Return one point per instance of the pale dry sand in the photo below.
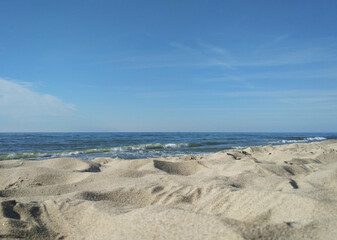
(271, 192)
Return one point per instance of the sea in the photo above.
(87, 146)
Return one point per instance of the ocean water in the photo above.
(37, 146)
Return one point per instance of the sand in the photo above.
(270, 192)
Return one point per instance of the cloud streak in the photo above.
(204, 55)
(17, 100)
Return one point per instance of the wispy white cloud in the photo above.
(17, 100)
(278, 57)
(272, 43)
(319, 95)
(184, 47)
(300, 100)
(265, 55)
(278, 100)
(283, 93)
(275, 53)
(217, 50)
(281, 38)
(321, 73)
(291, 97)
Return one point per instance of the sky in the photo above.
(233, 66)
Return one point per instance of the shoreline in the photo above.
(87, 146)
(275, 191)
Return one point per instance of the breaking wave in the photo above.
(141, 147)
(302, 140)
(153, 149)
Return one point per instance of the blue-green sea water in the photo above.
(87, 146)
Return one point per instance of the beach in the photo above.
(268, 192)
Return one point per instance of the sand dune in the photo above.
(271, 192)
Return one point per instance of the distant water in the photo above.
(38, 146)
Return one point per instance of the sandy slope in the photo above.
(271, 192)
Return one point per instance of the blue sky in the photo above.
(168, 65)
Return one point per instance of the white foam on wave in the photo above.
(132, 148)
(175, 145)
(316, 138)
(309, 139)
(237, 148)
(292, 141)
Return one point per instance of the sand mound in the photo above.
(179, 168)
(271, 192)
(70, 164)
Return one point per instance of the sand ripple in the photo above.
(271, 192)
